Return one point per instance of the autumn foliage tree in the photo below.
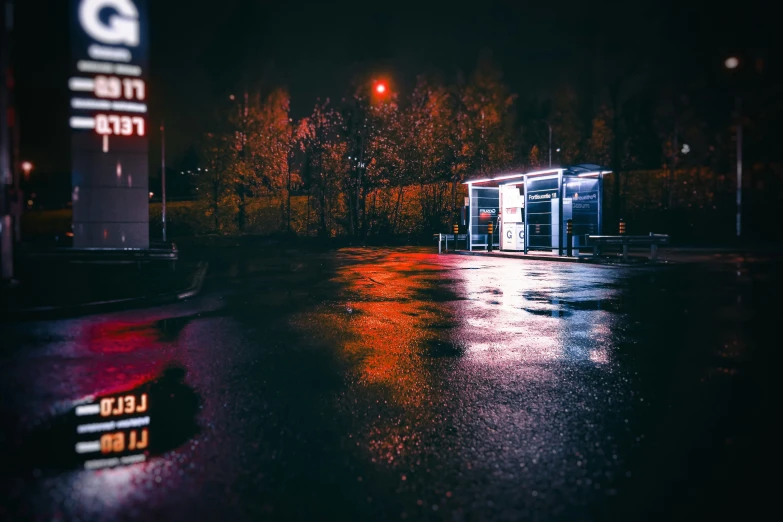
(371, 162)
(248, 156)
(429, 132)
(484, 123)
(326, 163)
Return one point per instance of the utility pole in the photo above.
(739, 166)
(6, 176)
(732, 63)
(163, 176)
(673, 171)
(290, 157)
(550, 146)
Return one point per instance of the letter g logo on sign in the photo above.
(122, 26)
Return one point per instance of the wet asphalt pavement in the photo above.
(390, 384)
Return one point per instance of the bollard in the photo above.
(456, 233)
(625, 245)
(570, 238)
(490, 235)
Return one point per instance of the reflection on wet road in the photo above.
(117, 429)
(391, 384)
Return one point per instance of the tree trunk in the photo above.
(330, 203)
(241, 209)
(364, 212)
(617, 202)
(454, 197)
(322, 210)
(372, 212)
(397, 210)
(216, 205)
(288, 197)
(307, 222)
(352, 212)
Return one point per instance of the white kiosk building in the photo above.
(530, 210)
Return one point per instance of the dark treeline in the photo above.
(669, 144)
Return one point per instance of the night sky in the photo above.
(201, 51)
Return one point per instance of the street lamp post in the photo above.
(550, 146)
(731, 63)
(739, 165)
(6, 241)
(163, 177)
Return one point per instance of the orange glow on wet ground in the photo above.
(404, 316)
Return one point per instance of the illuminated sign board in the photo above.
(543, 212)
(585, 203)
(484, 209)
(108, 121)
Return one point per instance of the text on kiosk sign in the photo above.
(553, 195)
(539, 197)
(488, 211)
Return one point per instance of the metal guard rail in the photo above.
(653, 240)
(446, 237)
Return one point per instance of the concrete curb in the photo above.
(43, 312)
(198, 282)
(560, 259)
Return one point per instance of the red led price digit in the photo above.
(138, 122)
(113, 88)
(102, 124)
(113, 124)
(133, 88)
(126, 127)
(107, 87)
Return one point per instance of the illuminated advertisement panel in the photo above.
(542, 213)
(484, 208)
(108, 120)
(584, 194)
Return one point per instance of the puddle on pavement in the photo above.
(170, 328)
(556, 307)
(439, 348)
(548, 313)
(439, 294)
(114, 430)
(444, 324)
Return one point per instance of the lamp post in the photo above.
(6, 175)
(550, 146)
(163, 177)
(732, 63)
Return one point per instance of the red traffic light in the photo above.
(380, 88)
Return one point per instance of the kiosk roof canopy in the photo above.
(583, 169)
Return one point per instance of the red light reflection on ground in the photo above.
(384, 326)
(119, 336)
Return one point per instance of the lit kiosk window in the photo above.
(530, 210)
(108, 121)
